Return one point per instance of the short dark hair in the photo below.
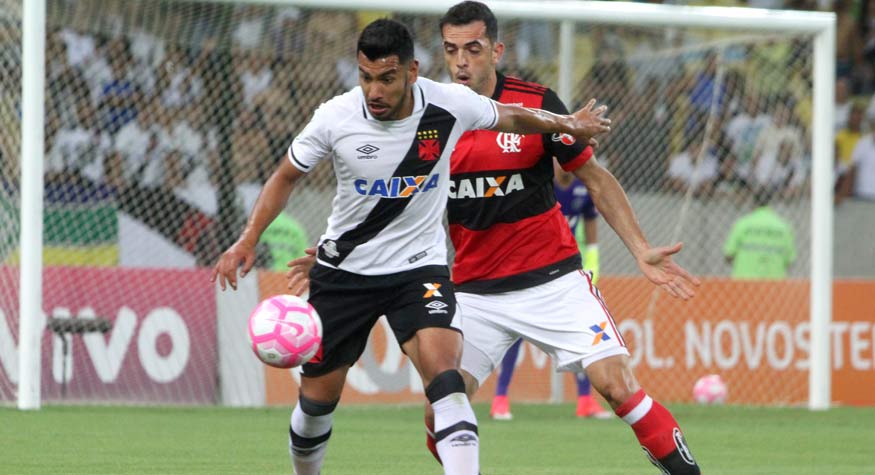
(469, 12)
(385, 37)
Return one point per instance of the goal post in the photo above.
(32, 153)
(670, 75)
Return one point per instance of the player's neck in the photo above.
(407, 110)
(490, 85)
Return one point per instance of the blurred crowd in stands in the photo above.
(198, 101)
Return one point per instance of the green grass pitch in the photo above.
(542, 439)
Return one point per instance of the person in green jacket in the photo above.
(286, 239)
(762, 244)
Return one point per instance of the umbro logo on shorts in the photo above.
(436, 306)
(432, 291)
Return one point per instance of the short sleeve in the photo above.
(473, 111)
(570, 153)
(313, 143)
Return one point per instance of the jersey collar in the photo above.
(499, 86)
(418, 103)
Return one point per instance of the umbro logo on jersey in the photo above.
(486, 186)
(367, 152)
(564, 138)
(509, 143)
(330, 249)
(432, 291)
(397, 186)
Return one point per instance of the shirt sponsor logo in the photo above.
(397, 186)
(431, 290)
(486, 186)
(367, 152)
(600, 334)
(509, 143)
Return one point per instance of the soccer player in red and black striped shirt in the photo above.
(517, 267)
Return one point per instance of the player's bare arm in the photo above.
(655, 262)
(583, 124)
(270, 202)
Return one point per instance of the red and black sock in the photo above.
(659, 435)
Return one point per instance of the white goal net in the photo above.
(164, 118)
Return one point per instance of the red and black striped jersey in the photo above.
(505, 224)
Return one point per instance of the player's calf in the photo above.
(455, 426)
(659, 435)
(309, 432)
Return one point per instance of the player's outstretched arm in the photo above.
(583, 125)
(655, 262)
(270, 202)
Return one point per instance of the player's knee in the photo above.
(616, 393)
(471, 383)
(314, 408)
(444, 384)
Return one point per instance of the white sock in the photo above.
(308, 440)
(456, 434)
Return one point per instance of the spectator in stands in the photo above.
(743, 131)
(695, 168)
(249, 147)
(180, 85)
(142, 144)
(843, 103)
(78, 150)
(706, 95)
(255, 75)
(847, 137)
(762, 244)
(287, 32)
(848, 38)
(638, 146)
(250, 22)
(118, 94)
(778, 154)
(862, 168)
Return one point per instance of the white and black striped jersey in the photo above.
(392, 176)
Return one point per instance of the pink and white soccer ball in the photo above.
(710, 390)
(285, 331)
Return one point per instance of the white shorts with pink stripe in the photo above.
(566, 318)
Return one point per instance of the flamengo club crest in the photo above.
(429, 144)
(509, 143)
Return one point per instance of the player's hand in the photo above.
(299, 271)
(240, 254)
(657, 265)
(589, 122)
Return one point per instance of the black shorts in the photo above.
(350, 304)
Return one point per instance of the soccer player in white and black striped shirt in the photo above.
(384, 253)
